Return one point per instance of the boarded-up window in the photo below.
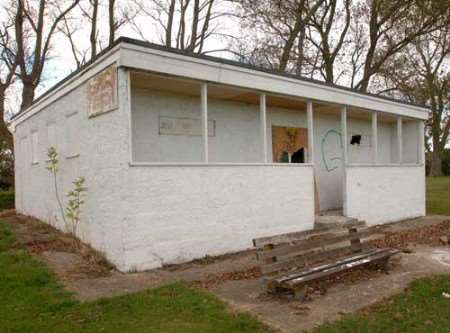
(51, 135)
(34, 147)
(22, 152)
(286, 141)
(72, 135)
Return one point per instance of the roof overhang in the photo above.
(149, 57)
(204, 69)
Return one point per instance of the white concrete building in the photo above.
(188, 155)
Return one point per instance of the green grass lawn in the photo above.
(438, 195)
(421, 309)
(31, 300)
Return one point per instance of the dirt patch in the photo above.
(86, 272)
(66, 255)
(208, 260)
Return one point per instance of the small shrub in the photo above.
(52, 162)
(6, 199)
(75, 201)
(52, 166)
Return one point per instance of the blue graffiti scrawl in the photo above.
(332, 148)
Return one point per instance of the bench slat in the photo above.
(335, 269)
(294, 249)
(311, 256)
(301, 235)
(323, 267)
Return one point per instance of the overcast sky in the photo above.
(62, 62)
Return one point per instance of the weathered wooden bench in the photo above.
(292, 261)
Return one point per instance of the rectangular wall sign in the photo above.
(184, 126)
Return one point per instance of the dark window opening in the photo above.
(356, 139)
(298, 156)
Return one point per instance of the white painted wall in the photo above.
(148, 144)
(102, 160)
(383, 194)
(237, 128)
(386, 143)
(329, 162)
(411, 141)
(362, 154)
(237, 136)
(176, 213)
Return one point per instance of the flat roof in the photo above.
(257, 68)
(214, 59)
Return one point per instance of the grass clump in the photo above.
(6, 199)
(422, 308)
(438, 195)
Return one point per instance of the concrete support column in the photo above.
(204, 109)
(344, 134)
(263, 127)
(421, 142)
(310, 122)
(124, 78)
(399, 141)
(374, 138)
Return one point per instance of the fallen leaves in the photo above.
(299, 309)
(39, 237)
(429, 235)
(213, 280)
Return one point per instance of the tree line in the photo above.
(395, 48)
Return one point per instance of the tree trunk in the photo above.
(286, 54)
(93, 35)
(5, 135)
(301, 51)
(436, 157)
(436, 164)
(169, 25)
(329, 66)
(27, 95)
(6, 144)
(112, 22)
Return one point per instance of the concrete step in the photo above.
(332, 212)
(331, 221)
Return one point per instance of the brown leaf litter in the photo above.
(41, 238)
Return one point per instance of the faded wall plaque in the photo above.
(184, 126)
(102, 92)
